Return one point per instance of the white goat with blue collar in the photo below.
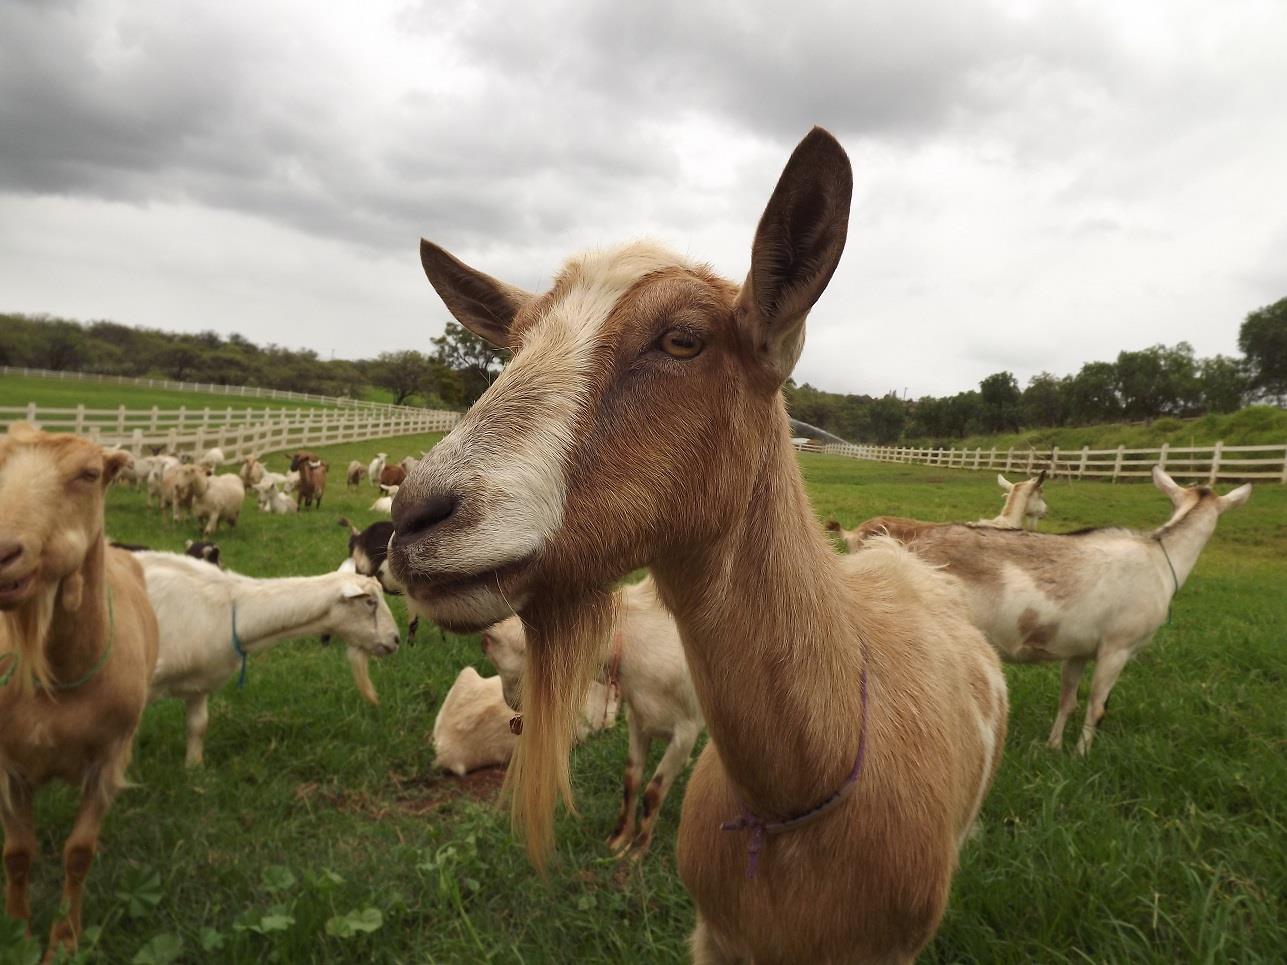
(210, 619)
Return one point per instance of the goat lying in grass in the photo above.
(1098, 594)
(77, 645)
(210, 619)
(472, 729)
(644, 660)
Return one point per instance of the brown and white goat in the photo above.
(78, 641)
(1097, 594)
(643, 661)
(1025, 503)
(641, 423)
(312, 479)
(353, 477)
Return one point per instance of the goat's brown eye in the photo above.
(90, 475)
(681, 345)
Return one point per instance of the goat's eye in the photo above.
(370, 601)
(680, 344)
(90, 475)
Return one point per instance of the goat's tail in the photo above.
(564, 642)
(344, 521)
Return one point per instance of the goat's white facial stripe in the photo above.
(512, 446)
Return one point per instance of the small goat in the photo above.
(1024, 500)
(472, 729)
(273, 500)
(251, 472)
(369, 551)
(392, 476)
(353, 477)
(312, 479)
(210, 619)
(377, 466)
(385, 503)
(644, 661)
(217, 498)
(1097, 594)
(214, 458)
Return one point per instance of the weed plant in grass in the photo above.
(318, 830)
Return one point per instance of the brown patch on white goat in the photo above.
(77, 645)
(640, 422)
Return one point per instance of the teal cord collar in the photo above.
(85, 677)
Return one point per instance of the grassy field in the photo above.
(1257, 425)
(318, 830)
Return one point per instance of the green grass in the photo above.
(57, 393)
(1259, 425)
(1166, 845)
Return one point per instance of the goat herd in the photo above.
(855, 702)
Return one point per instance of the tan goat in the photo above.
(856, 717)
(78, 642)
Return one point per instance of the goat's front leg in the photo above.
(212, 523)
(1108, 667)
(636, 757)
(19, 817)
(78, 856)
(672, 762)
(1069, 680)
(198, 721)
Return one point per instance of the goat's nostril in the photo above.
(417, 517)
(10, 553)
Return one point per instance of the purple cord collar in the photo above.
(758, 827)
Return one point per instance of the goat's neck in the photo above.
(1184, 539)
(77, 637)
(766, 617)
(269, 611)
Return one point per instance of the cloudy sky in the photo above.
(1037, 184)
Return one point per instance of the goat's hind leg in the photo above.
(636, 757)
(1069, 680)
(19, 818)
(198, 720)
(678, 751)
(1108, 667)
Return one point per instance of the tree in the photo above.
(1224, 384)
(476, 362)
(885, 419)
(999, 399)
(403, 373)
(1263, 340)
(1043, 402)
(1092, 394)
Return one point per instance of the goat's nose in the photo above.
(415, 518)
(10, 552)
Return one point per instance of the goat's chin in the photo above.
(467, 610)
(14, 593)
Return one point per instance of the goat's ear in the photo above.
(797, 247)
(351, 590)
(1041, 477)
(1004, 483)
(1169, 486)
(1235, 498)
(187, 544)
(482, 304)
(114, 462)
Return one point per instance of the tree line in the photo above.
(1138, 386)
(456, 370)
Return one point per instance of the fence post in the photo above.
(31, 414)
(1283, 480)
(80, 419)
(120, 419)
(1117, 463)
(1081, 469)
(1161, 455)
(1215, 463)
(136, 443)
(1031, 456)
(1009, 459)
(152, 424)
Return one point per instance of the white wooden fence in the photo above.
(212, 388)
(1204, 463)
(238, 432)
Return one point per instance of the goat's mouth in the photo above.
(13, 592)
(465, 602)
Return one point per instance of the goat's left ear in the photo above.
(797, 247)
(1165, 483)
(114, 462)
(1041, 477)
(1235, 498)
(481, 303)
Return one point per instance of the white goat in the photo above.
(251, 472)
(385, 503)
(1098, 594)
(214, 458)
(644, 659)
(272, 500)
(377, 467)
(210, 617)
(217, 498)
(178, 488)
(1024, 501)
(472, 729)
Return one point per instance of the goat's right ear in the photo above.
(482, 304)
(114, 462)
(797, 247)
(1169, 486)
(1004, 483)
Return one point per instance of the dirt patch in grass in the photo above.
(416, 796)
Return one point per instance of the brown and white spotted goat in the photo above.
(640, 422)
(78, 642)
(1098, 594)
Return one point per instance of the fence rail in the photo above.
(238, 432)
(212, 388)
(1203, 463)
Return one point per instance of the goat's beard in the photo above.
(564, 646)
(26, 628)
